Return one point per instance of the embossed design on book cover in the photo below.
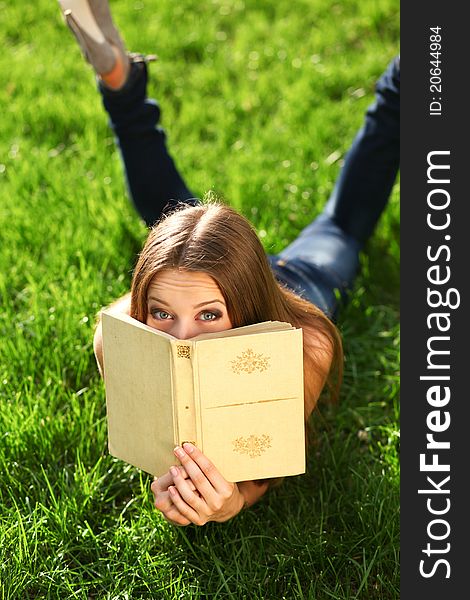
(183, 351)
(249, 362)
(253, 445)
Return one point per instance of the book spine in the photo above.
(183, 392)
(197, 400)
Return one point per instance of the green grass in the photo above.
(256, 95)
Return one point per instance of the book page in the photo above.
(138, 394)
(251, 404)
(131, 321)
(246, 330)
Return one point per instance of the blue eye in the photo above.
(208, 315)
(161, 315)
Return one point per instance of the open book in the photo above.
(236, 394)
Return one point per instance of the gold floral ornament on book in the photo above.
(183, 351)
(249, 362)
(253, 445)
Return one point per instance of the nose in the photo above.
(184, 329)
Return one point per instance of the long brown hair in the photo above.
(214, 239)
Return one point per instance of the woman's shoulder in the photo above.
(321, 354)
(319, 351)
(121, 305)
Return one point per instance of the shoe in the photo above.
(92, 25)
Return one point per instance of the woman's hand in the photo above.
(196, 492)
(163, 500)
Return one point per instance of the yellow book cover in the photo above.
(236, 394)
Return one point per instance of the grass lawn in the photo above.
(260, 100)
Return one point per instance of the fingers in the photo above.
(162, 499)
(174, 517)
(164, 504)
(165, 480)
(194, 492)
(187, 491)
(202, 484)
(200, 469)
(184, 509)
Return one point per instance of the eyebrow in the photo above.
(195, 306)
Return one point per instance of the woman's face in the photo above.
(185, 304)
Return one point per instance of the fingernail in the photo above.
(172, 491)
(174, 471)
(188, 447)
(179, 452)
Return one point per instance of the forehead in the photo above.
(176, 280)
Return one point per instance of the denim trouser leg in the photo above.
(153, 181)
(321, 263)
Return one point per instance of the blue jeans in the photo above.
(321, 263)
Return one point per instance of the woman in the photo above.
(204, 269)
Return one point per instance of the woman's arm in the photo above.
(252, 491)
(122, 305)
